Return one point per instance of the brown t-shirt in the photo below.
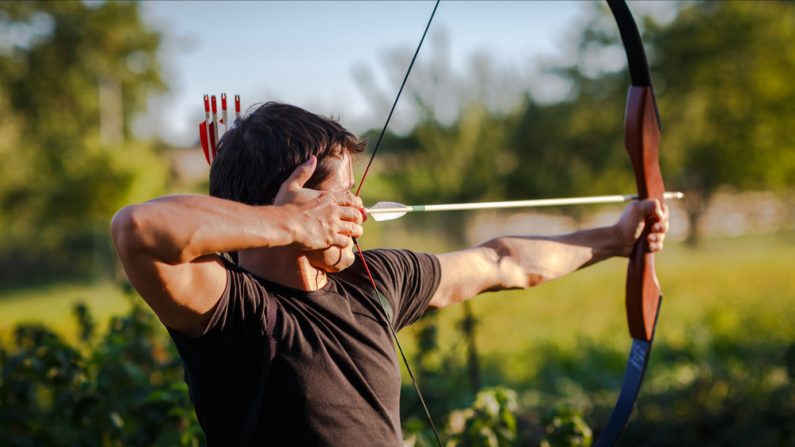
(335, 379)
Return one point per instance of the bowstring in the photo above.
(356, 243)
(400, 348)
(394, 104)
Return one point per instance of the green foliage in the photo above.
(719, 390)
(489, 422)
(724, 72)
(722, 369)
(570, 148)
(721, 387)
(565, 427)
(722, 76)
(125, 389)
(441, 376)
(63, 175)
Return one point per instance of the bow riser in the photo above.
(642, 139)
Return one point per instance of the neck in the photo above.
(283, 265)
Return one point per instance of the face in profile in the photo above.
(335, 259)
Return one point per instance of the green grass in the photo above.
(52, 305)
(741, 286)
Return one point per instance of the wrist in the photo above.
(281, 218)
(618, 245)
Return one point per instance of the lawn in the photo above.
(52, 304)
(743, 286)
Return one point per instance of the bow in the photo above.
(643, 297)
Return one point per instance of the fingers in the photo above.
(655, 210)
(341, 241)
(348, 199)
(350, 222)
(346, 231)
(290, 189)
(335, 220)
(351, 229)
(659, 227)
(650, 209)
(351, 214)
(302, 174)
(647, 215)
(655, 242)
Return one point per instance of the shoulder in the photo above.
(402, 258)
(387, 264)
(243, 304)
(407, 279)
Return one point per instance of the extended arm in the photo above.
(513, 262)
(168, 245)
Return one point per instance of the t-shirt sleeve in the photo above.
(229, 356)
(238, 322)
(407, 279)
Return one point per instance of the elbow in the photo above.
(126, 231)
(138, 230)
(513, 270)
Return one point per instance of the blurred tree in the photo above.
(575, 146)
(479, 135)
(72, 75)
(723, 73)
(458, 162)
(570, 148)
(456, 148)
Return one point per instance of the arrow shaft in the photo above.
(517, 203)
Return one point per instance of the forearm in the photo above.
(525, 261)
(514, 262)
(179, 229)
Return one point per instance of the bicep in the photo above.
(467, 273)
(182, 295)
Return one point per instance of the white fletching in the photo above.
(388, 211)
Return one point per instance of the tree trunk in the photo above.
(694, 204)
(468, 324)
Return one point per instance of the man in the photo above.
(282, 203)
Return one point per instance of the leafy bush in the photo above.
(490, 421)
(125, 389)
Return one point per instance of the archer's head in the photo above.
(264, 148)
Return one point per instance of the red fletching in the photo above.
(204, 131)
(203, 138)
(209, 128)
(213, 139)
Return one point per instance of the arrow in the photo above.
(204, 130)
(224, 119)
(209, 132)
(382, 211)
(214, 130)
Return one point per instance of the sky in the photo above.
(307, 53)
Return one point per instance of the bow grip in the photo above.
(642, 139)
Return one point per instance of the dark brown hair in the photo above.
(263, 149)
